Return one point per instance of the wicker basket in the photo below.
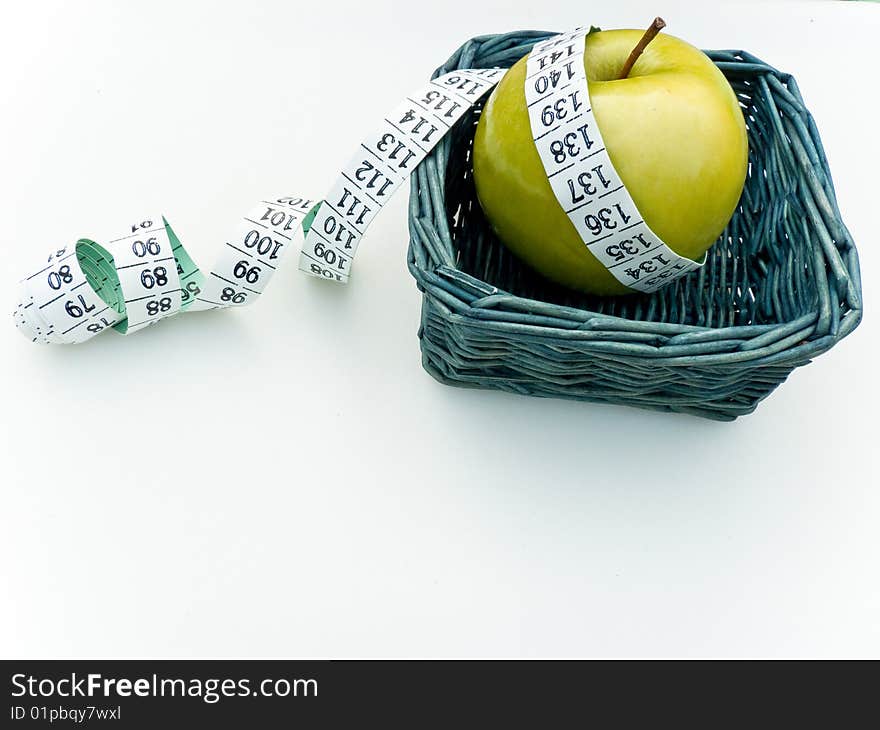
(779, 287)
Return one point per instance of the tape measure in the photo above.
(581, 173)
(141, 273)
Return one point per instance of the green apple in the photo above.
(673, 129)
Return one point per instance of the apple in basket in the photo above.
(674, 132)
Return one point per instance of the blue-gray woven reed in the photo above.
(780, 286)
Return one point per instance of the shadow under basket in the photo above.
(780, 286)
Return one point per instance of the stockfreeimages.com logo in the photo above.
(209, 690)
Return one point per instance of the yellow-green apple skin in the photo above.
(675, 134)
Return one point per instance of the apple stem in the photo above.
(656, 26)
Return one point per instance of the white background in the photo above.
(286, 480)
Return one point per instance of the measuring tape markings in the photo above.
(581, 173)
(58, 306)
(250, 258)
(155, 283)
(146, 274)
(148, 277)
(384, 161)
